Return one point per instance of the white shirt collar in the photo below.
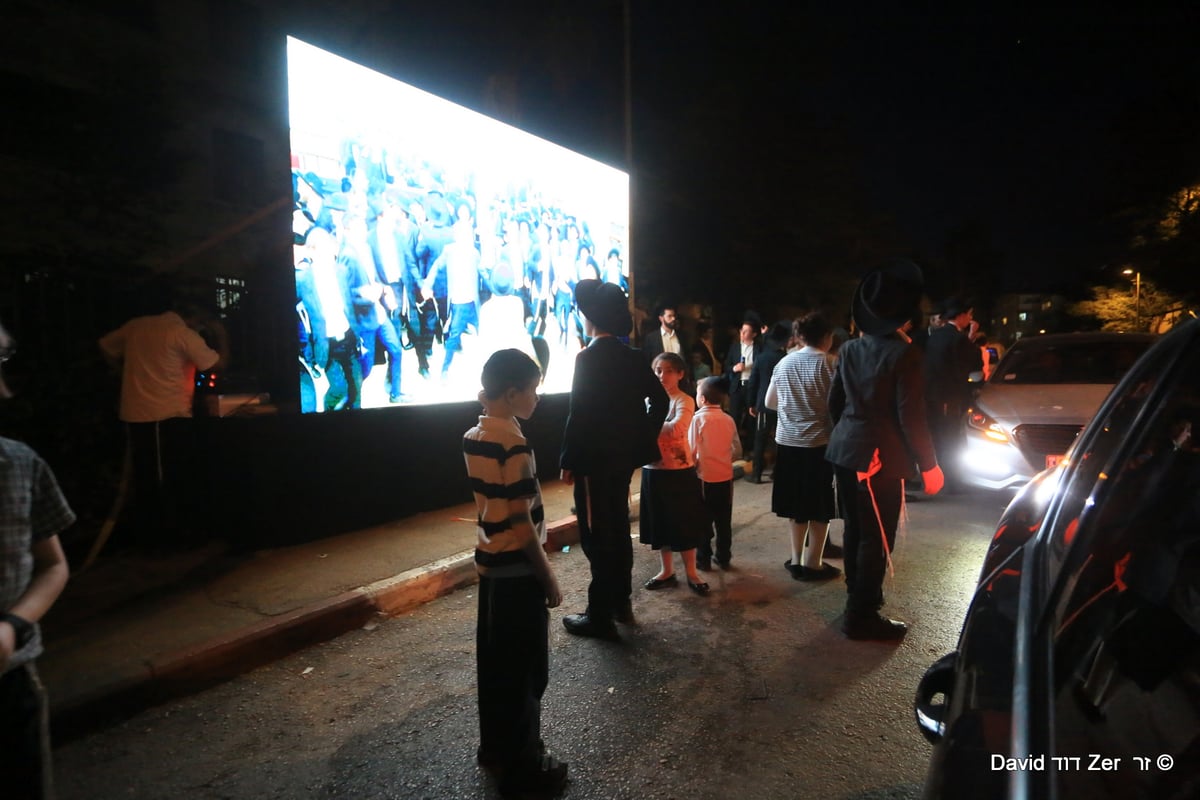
(500, 424)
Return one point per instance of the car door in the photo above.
(1106, 686)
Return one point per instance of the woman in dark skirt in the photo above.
(803, 479)
(673, 517)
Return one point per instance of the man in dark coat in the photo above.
(878, 407)
(739, 366)
(765, 420)
(950, 357)
(665, 337)
(611, 430)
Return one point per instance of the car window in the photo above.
(1126, 623)
(1097, 447)
(1070, 362)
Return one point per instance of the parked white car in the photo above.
(1037, 400)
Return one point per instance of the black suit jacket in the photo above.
(950, 358)
(760, 376)
(733, 357)
(652, 346)
(877, 401)
(610, 425)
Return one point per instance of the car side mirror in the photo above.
(933, 697)
(975, 377)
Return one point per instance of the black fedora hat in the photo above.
(605, 304)
(888, 297)
(953, 306)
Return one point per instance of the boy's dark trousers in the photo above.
(718, 497)
(513, 666)
(24, 735)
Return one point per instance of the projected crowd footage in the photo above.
(427, 236)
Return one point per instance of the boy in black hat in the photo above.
(611, 430)
(878, 407)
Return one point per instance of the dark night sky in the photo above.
(1015, 123)
(815, 140)
(1010, 120)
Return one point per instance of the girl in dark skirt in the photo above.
(803, 490)
(673, 515)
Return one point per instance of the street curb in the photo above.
(408, 590)
(201, 666)
(197, 667)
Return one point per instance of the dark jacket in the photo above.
(733, 357)
(609, 425)
(877, 402)
(760, 376)
(950, 358)
(652, 346)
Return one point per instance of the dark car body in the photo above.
(1077, 672)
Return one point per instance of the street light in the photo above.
(1137, 296)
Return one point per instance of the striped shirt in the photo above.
(502, 470)
(799, 391)
(32, 509)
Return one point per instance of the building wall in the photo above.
(1018, 315)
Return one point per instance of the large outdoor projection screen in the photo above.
(427, 236)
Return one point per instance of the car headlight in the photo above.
(981, 422)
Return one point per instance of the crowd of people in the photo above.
(410, 269)
(849, 430)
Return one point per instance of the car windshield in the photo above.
(1104, 362)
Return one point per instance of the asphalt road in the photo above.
(749, 693)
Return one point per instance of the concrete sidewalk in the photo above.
(135, 629)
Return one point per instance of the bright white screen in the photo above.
(428, 236)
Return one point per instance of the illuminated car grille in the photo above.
(1038, 441)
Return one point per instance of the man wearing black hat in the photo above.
(950, 358)
(610, 432)
(878, 407)
(739, 366)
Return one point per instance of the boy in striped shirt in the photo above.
(516, 582)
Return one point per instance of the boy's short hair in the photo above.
(508, 369)
(674, 360)
(814, 327)
(714, 389)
